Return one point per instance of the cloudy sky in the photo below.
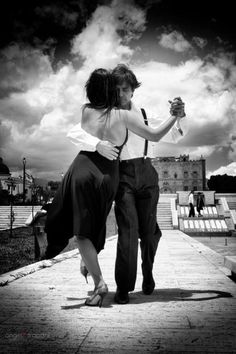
(176, 48)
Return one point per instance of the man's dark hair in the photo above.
(122, 73)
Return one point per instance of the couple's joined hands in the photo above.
(177, 107)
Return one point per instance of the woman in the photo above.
(85, 197)
(200, 203)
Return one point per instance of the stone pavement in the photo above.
(193, 308)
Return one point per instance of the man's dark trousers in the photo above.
(135, 210)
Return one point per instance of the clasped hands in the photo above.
(177, 107)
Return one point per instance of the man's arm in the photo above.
(82, 139)
(88, 142)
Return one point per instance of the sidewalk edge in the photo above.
(11, 276)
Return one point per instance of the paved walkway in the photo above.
(193, 308)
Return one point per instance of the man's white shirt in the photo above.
(134, 147)
(190, 198)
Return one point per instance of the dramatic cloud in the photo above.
(102, 41)
(200, 42)
(42, 105)
(175, 41)
(22, 68)
(229, 170)
(208, 88)
(38, 105)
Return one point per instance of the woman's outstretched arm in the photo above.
(135, 124)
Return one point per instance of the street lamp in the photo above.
(11, 184)
(24, 163)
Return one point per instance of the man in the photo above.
(191, 204)
(136, 200)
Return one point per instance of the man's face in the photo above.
(125, 94)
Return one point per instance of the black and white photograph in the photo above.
(117, 176)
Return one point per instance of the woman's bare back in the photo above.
(109, 126)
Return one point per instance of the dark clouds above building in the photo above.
(48, 48)
(51, 25)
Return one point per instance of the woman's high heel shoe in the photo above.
(84, 270)
(98, 296)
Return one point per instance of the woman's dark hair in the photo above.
(101, 90)
(122, 73)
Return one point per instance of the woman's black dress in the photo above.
(82, 202)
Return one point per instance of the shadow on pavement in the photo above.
(160, 295)
(177, 294)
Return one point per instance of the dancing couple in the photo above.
(115, 165)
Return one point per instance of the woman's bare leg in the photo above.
(90, 258)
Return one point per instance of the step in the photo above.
(21, 213)
(164, 215)
(232, 205)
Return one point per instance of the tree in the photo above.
(222, 183)
(53, 187)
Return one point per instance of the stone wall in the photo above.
(180, 174)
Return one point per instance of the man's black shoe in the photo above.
(121, 297)
(148, 285)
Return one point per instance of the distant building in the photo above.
(4, 175)
(17, 187)
(180, 173)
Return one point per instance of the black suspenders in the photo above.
(146, 142)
